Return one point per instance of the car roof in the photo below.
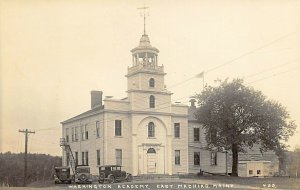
(111, 166)
(62, 167)
(83, 166)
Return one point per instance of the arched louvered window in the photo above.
(151, 151)
(151, 82)
(152, 101)
(151, 129)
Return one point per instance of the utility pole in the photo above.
(26, 132)
(226, 154)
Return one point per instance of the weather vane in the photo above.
(144, 13)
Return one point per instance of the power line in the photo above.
(250, 52)
(200, 75)
(272, 68)
(233, 60)
(276, 74)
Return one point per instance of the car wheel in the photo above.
(129, 177)
(112, 179)
(100, 181)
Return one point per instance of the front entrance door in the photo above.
(151, 161)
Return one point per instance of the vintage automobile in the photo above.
(62, 175)
(82, 174)
(112, 174)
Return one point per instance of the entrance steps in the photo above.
(155, 176)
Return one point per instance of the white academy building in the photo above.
(143, 132)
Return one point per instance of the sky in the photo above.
(53, 53)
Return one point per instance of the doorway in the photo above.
(151, 161)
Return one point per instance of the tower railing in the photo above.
(145, 67)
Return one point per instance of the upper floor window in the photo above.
(152, 101)
(151, 129)
(213, 158)
(151, 82)
(118, 128)
(177, 130)
(67, 134)
(74, 134)
(196, 134)
(97, 128)
(84, 133)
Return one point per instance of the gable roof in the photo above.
(90, 112)
(191, 114)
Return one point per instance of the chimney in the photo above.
(96, 98)
(193, 103)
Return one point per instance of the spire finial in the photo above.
(144, 8)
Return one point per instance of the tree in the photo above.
(236, 116)
(39, 167)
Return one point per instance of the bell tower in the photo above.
(145, 77)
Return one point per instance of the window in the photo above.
(258, 172)
(119, 156)
(75, 133)
(82, 158)
(67, 135)
(151, 151)
(82, 132)
(118, 128)
(68, 158)
(76, 158)
(213, 158)
(196, 134)
(177, 130)
(152, 82)
(87, 158)
(177, 157)
(86, 132)
(97, 128)
(151, 129)
(98, 157)
(250, 172)
(152, 101)
(197, 158)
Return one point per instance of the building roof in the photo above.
(90, 112)
(145, 44)
(98, 109)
